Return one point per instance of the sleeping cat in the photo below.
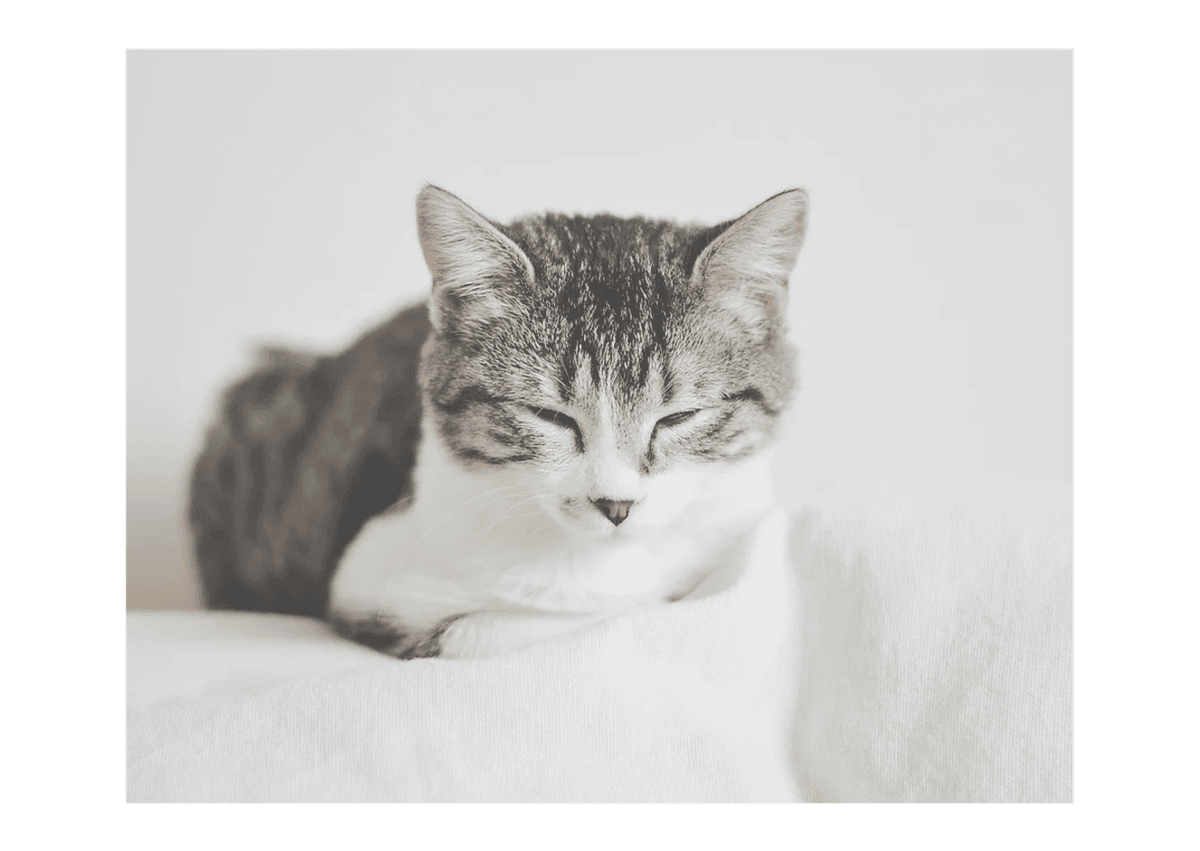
(576, 426)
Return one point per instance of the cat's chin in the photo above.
(587, 532)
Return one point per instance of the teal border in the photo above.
(63, 319)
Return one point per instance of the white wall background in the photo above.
(270, 198)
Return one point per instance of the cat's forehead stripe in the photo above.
(607, 285)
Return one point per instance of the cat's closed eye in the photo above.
(677, 418)
(557, 418)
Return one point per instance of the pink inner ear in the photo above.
(747, 267)
(470, 260)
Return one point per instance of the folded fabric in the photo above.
(937, 654)
(686, 702)
(845, 653)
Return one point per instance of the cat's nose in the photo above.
(616, 510)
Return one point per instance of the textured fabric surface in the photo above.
(688, 702)
(937, 661)
(868, 654)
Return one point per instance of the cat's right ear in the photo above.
(472, 262)
(745, 269)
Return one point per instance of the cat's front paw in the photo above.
(471, 635)
(481, 634)
(387, 635)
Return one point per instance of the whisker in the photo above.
(449, 514)
(508, 510)
(426, 533)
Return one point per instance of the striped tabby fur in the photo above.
(573, 404)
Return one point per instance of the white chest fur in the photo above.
(478, 541)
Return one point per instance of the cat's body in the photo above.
(596, 398)
(304, 451)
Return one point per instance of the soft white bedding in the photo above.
(854, 654)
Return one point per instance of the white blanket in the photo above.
(937, 655)
(913, 660)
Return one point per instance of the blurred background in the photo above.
(271, 200)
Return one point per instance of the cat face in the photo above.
(614, 368)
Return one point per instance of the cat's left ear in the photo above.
(472, 262)
(747, 266)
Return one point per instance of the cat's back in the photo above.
(304, 450)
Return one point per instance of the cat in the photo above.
(576, 424)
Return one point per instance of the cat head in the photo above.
(612, 365)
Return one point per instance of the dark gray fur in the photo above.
(305, 451)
